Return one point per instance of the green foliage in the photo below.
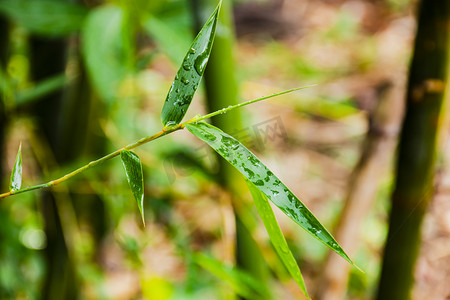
(166, 37)
(276, 235)
(190, 73)
(133, 170)
(41, 89)
(16, 174)
(45, 17)
(241, 282)
(107, 50)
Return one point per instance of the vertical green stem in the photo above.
(417, 150)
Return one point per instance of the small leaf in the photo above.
(276, 235)
(189, 75)
(45, 17)
(257, 173)
(107, 49)
(16, 174)
(133, 169)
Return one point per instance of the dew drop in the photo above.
(284, 249)
(210, 137)
(291, 198)
(200, 63)
(297, 204)
(179, 102)
(259, 182)
(186, 66)
(250, 173)
(184, 80)
(192, 51)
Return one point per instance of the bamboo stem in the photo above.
(418, 148)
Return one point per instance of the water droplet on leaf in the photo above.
(200, 63)
(259, 182)
(186, 66)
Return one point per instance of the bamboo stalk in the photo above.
(417, 150)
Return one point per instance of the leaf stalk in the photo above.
(166, 130)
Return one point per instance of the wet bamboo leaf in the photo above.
(257, 173)
(276, 235)
(133, 170)
(189, 75)
(107, 49)
(16, 174)
(45, 17)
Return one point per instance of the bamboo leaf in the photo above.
(256, 172)
(16, 175)
(133, 170)
(45, 17)
(190, 73)
(276, 235)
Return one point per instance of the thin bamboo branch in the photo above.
(94, 163)
(166, 130)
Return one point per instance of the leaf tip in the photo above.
(358, 268)
(16, 174)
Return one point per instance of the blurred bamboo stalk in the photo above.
(4, 41)
(418, 148)
(222, 91)
(373, 166)
(48, 58)
(67, 118)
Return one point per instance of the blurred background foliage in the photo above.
(81, 78)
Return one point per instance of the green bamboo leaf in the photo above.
(16, 174)
(45, 17)
(190, 73)
(276, 235)
(255, 171)
(133, 170)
